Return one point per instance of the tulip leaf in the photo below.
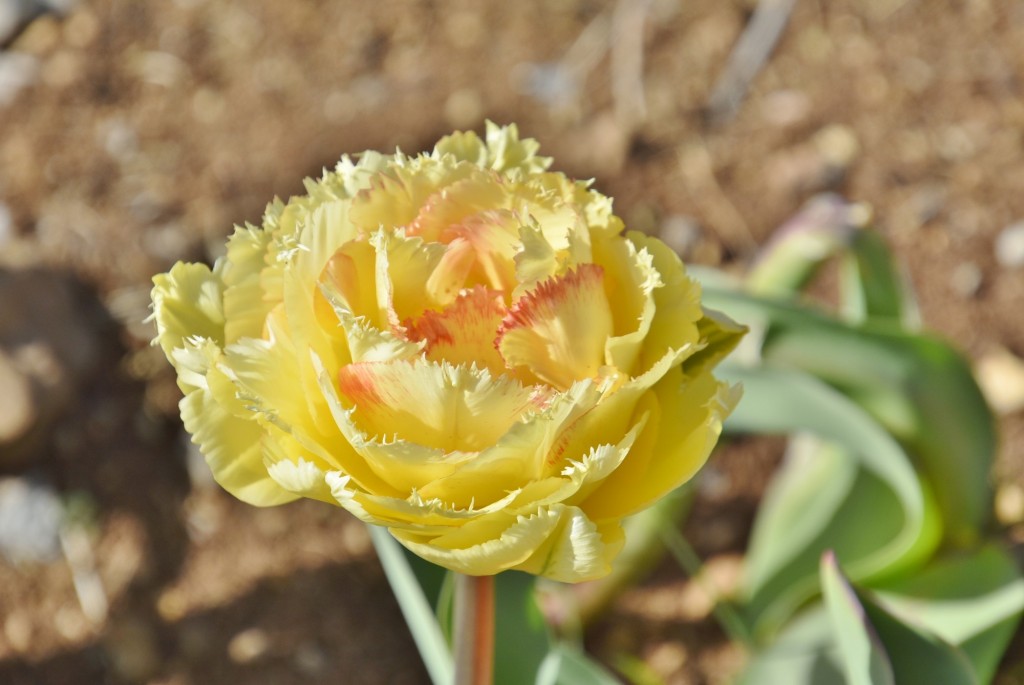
(567, 666)
(864, 656)
(863, 498)
(873, 287)
(916, 386)
(971, 600)
(419, 616)
(878, 647)
(804, 653)
(522, 640)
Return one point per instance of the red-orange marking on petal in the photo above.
(558, 331)
(464, 332)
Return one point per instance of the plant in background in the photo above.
(462, 347)
(887, 480)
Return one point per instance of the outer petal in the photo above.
(245, 308)
(187, 303)
(677, 304)
(229, 438)
(685, 421)
(578, 550)
(489, 545)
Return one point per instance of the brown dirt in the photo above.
(153, 127)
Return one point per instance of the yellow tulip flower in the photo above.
(460, 346)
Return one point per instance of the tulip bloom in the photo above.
(460, 346)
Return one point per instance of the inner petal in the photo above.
(464, 332)
(454, 408)
(558, 331)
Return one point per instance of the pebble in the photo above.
(310, 660)
(17, 72)
(6, 225)
(248, 646)
(1009, 504)
(1001, 376)
(1009, 245)
(966, 279)
(680, 233)
(30, 518)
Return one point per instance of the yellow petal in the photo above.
(529, 451)
(558, 331)
(630, 282)
(453, 408)
(229, 438)
(245, 308)
(187, 303)
(685, 422)
(576, 551)
(488, 545)
(677, 303)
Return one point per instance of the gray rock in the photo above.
(30, 518)
(17, 72)
(1010, 245)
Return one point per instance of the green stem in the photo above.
(473, 637)
(684, 554)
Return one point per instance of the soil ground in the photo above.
(148, 128)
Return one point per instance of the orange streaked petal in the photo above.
(463, 333)
(558, 331)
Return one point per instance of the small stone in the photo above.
(118, 138)
(667, 659)
(785, 108)
(1001, 377)
(310, 660)
(1009, 245)
(18, 630)
(39, 37)
(160, 68)
(63, 69)
(966, 279)
(248, 646)
(356, 539)
(81, 29)
(17, 72)
(1010, 504)
(680, 233)
(838, 145)
(30, 520)
(6, 225)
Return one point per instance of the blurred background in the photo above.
(135, 134)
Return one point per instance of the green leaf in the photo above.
(918, 387)
(879, 648)
(522, 640)
(805, 653)
(864, 656)
(419, 616)
(860, 496)
(874, 289)
(567, 666)
(823, 228)
(971, 600)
